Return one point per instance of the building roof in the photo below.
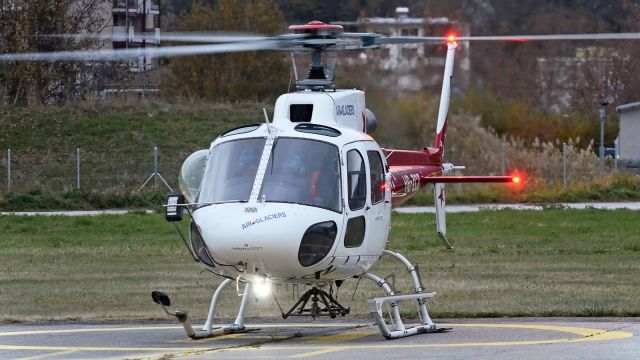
(628, 107)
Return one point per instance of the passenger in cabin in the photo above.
(324, 191)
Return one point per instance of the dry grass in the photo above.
(555, 262)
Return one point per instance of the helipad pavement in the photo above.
(530, 338)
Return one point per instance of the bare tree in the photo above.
(23, 25)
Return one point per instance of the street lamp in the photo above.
(603, 115)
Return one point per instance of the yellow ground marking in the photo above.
(586, 334)
(141, 328)
(343, 337)
(318, 352)
(65, 331)
(232, 336)
(48, 355)
(98, 348)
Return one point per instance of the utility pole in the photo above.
(603, 115)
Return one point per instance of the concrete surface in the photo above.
(521, 338)
(484, 207)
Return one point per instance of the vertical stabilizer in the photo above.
(443, 110)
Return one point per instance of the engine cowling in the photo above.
(372, 122)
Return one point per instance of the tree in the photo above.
(253, 76)
(22, 24)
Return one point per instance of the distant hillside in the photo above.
(116, 142)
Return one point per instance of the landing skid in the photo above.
(322, 303)
(330, 306)
(207, 329)
(398, 329)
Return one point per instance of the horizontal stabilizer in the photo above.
(471, 179)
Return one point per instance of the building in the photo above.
(133, 24)
(560, 77)
(136, 23)
(629, 140)
(413, 66)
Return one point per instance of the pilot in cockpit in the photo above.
(248, 161)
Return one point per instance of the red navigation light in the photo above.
(516, 179)
(451, 39)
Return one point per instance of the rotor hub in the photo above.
(318, 29)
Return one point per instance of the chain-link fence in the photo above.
(46, 170)
(27, 170)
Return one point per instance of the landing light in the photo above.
(262, 288)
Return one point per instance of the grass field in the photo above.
(548, 263)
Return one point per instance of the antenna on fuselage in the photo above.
(266, 119)
(295, 68)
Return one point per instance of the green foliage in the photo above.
(521, 119)
(255, 76)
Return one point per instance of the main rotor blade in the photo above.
(193, 37)
(516, 38)
(133, 53)
(551, 37)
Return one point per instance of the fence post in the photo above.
(616, 145)
(503, 160)
(155, 165)
(78, 168)
(8, 170)
(564, 166)
(156, 174)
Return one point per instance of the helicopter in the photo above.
(306, 197)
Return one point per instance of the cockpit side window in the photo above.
(377, 176)
(356, 180)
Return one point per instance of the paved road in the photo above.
(529, 338)
(73, 213)
(484, 207)
(406, 209)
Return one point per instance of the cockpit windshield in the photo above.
(303, 171)
(299, 171)
(231, 171)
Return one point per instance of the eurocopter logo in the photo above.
(345, 110)
(263, 219)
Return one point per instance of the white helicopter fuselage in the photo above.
(315, 205)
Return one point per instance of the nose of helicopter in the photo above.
(267, 237)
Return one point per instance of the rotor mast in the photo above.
(318, 38)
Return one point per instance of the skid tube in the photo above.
(207, 330)
(398, 329)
